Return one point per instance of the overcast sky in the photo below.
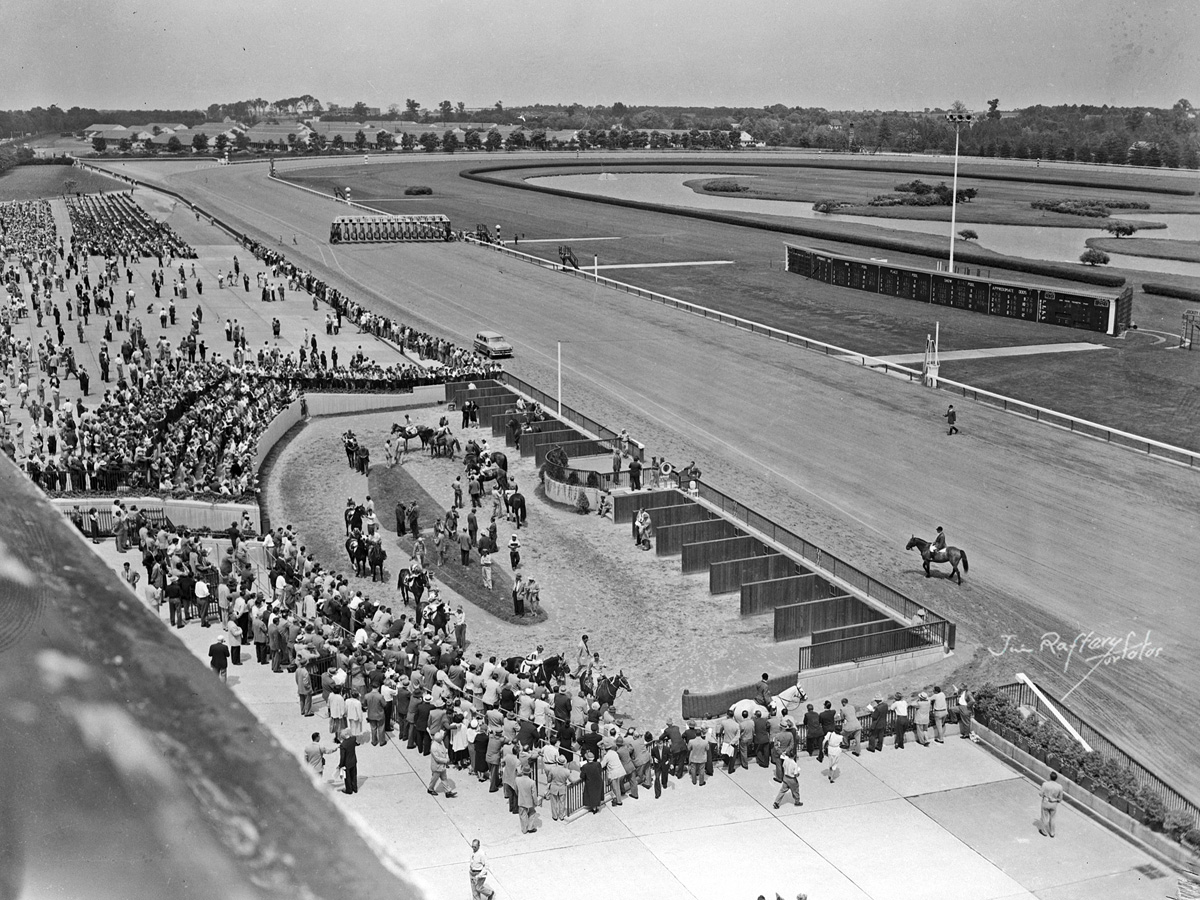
(839, 54)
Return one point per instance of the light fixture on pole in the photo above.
(957, 120)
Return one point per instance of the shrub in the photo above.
(583, 506)
(916, 186)
(556, 463)
(593, 479)
(828, 206)
(1093, 257)
(417, 190)
(573, 478)
(724, 186)
(968, 234)
(1170, 290)
(1191, 839)
(1177, 824)
(1152, 805)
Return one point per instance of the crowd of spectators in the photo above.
(172, 418)
(113, 225)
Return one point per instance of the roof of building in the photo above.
(104, 127)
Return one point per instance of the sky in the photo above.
(837, 54)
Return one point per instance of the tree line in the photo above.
(1103, 134)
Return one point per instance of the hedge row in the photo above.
(809, 229)
(1170, 290)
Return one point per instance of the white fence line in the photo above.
(1149, 446)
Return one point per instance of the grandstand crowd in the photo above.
(181, 419)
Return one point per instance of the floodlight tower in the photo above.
(957, 120)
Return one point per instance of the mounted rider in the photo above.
(937, 548)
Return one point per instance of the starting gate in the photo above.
(388, 229)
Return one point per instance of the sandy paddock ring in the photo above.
(642, 615)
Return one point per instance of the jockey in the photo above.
(939, 542)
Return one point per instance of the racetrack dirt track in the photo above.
(1064, 534)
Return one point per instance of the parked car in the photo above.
(492, 344)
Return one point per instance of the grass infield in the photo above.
(390, 486)
(1153, 248)
(1136, 377)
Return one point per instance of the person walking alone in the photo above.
(1052, 794)
(791, 784)
(951, 417)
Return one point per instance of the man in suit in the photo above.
(348, 761)
(879, 714)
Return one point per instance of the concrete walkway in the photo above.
(893, 827)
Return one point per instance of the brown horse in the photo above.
(951, 555)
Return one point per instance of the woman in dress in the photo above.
(593, 783)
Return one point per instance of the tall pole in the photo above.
(954, 199)
(560, 379)
(957, 119)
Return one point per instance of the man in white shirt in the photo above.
(900, 707)
(791, 772)
(480, 889)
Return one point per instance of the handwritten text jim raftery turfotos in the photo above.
(1086, 648)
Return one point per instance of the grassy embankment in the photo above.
(37, 182)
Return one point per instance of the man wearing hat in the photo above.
(879, 714)
(920, 718)
(218, 655)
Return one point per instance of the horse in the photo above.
(407, 433)
(607, 688)
(375, 557)
(951, 555)
(444, 445)
(544, 673)
(356, 549)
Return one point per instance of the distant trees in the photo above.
(968, 234)
(446, 108)
(449, 141)
(1093, 257)
(174, 145)
(241, 143)
(411, 109)
(360, 140)
(200, 142)
(360, 110)
(428, 141)
(338, 143)
(125, 145)
(472, 140)
(993, 111)
(406, 142)
(221, 143)
(99, 143)
(493, 141)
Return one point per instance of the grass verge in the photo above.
(389, 487)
